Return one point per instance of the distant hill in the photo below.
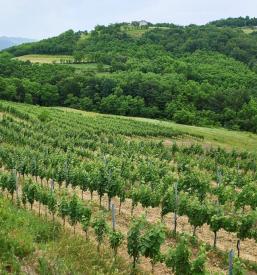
(62, 44)
(236, 22)
(6, 42)
(197, 75)
(226, 36)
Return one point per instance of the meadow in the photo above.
(45, 58)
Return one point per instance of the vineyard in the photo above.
(163, 205)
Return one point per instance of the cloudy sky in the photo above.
(44, 18)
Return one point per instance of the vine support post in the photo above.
(52, 185)
(17, 186)
(132, 209)
(109, 203)
(113, 217)
(194, 231)
(120, 206)
(231, 257)
(176, 207)
(215, 239)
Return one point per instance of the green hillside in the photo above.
(69, 166)
(62, 44)
(130, 149)
(195, 75)
(33, 244)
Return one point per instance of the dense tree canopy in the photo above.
(62, 44)
(236, 22)
(203, 75)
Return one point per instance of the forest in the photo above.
(196, 75)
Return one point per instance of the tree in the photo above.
(86, 218)
(238, 267)
(86, 104)
(52, 203)
(100, 228)
(74, 211)
(115, 239)
(197, 213)
(134, 240)
(30, 191)
(102, 182)
(245, 226)
(178, 259)
(113, 181)
(170, 203)
(198, 265)
(49, 95)
(63, 208)
(11, 184)
(216, 223)
(151, 243)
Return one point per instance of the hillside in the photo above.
(195, 75)
(34, 244)
(62, 44)
(72, 165)
(236, 22)
(7, 42)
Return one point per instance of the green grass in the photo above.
(137, 32)
(56, 59)
(217, 136)
(212, 136)
(249, 30)
(32, 245)
(225, 138)
(43, 58)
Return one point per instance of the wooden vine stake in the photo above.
(176, 207)
(113, 217)
(52, 185)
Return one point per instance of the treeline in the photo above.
(186, 74)
(192, 92)
(222, 36)
(236, 22)
(62, 44)
(229, 41)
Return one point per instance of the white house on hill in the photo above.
(143, 23)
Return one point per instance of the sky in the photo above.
(45, 18)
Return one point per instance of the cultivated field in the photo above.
(159, 169)
(211, 136)
(64, 60)
(45, 59)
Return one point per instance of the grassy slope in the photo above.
(43, 58)
(215, 136)
(31, 245)
(249, 30)
(50, 59)
(212, 136)
(222, 135)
